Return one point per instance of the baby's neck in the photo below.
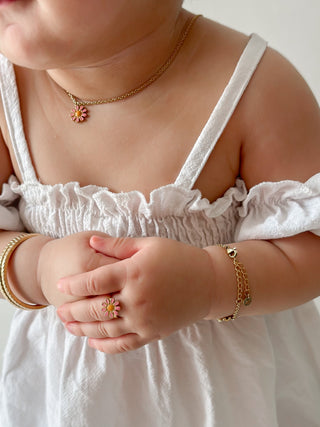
(124, 69)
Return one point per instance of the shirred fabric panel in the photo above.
(172, 212)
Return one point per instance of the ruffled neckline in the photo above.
(166, 200)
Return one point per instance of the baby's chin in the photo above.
(23, 49)
(25, 58)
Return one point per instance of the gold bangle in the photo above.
(243, 289)
(4, 261)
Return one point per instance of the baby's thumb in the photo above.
(116, 247)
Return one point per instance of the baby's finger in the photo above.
(100, 260)
(121, 344)
(118, 247)
(110, 329)
(91, 310)
(103, 280)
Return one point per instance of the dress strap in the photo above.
(12, 111)
(221, 114)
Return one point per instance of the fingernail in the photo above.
(62, 318)
(96, 240)
(91, 343)
(61, 287)
(70, 327)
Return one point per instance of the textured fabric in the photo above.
(9, 213)
(260, 371)
(280, 209)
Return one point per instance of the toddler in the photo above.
(160, 217)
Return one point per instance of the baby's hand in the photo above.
(63, 257)
(161, 285)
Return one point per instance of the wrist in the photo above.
(224, 283)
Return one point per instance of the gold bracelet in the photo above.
(4, 261)
(243, 289)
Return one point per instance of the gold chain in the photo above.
(243, 289)
(80, 113)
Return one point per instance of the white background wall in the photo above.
(290, 26)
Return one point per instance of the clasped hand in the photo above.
(162, 285)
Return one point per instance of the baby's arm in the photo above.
(281, 142)
(25, 288)
(38, 263)
(164, 285)
(283, 273)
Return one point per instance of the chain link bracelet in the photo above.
(243, 289)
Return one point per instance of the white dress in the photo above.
(257, 371)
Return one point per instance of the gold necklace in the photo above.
(80, 111)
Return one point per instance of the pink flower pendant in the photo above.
(79, 113)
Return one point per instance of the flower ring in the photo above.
(111, 306)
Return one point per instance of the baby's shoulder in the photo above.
(217, 48)
(278, 117)
(224, 46)
(281, 119)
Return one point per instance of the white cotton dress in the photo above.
(261, 371)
